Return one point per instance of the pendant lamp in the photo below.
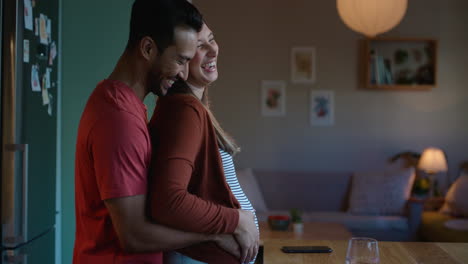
(371, 17)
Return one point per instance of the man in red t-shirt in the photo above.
(113, 147)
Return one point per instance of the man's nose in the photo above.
(183, 74)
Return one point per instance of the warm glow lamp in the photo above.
(433, 161)
(371, 17)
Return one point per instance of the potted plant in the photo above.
(296, 218)
(421, 187)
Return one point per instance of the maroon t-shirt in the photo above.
(113, 152)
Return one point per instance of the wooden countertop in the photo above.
(390, 252)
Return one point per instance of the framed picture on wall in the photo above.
(303, 65)
(400, 64)
(322, 108)
(273, 98)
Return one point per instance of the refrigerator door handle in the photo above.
(24, 148)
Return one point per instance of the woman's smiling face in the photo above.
(203, 67)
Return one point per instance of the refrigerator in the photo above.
(29, 71)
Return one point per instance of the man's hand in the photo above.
(247, 236)
(229, 244)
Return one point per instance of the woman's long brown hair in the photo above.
(225, 141)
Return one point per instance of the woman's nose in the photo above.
(213, 50)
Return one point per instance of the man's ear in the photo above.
(148, 48)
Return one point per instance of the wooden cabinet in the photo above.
(399, 64)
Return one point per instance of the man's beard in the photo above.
(154, 84)
(157, 90)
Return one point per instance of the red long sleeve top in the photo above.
(187, 186)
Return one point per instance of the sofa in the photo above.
(322, 197)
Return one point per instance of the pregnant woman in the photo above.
(194, 185)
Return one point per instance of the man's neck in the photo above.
(130, 72)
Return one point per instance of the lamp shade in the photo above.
(371, 17)
(433, 161)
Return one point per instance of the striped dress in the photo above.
(231, 179)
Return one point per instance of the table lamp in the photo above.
(432, 162)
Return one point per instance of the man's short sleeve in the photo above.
(120, 147)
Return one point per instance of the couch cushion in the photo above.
(456, 200)
(250, 187)
(307, 191)
(360, 222)
(381, 193)
(354, 222)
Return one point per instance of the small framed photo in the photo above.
(273, 98)
(303, 65)
(322, 104)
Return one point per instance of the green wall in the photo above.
(94, 36)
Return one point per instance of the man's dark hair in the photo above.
(158, 18)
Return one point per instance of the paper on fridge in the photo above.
(26, 50)
(47, 78)
(28, 15)
(49, 30)
(36, 26)
(43, 29)
(52, 53)
(45, 92)
(49, 108)
(35, 82)
(45, 96)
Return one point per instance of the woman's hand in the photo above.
(247, 236)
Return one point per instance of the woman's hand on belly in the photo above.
(247, 236)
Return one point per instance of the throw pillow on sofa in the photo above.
(251, 189)
(381, 193)
(456, 200)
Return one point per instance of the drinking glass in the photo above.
(362, 250)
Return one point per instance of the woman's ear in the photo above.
(148, 48)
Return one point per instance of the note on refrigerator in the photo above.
(45, 96)
(49, 108)
(36, 26)
(49, 30)
(35, 82)
(47, 78)
(26, 50)
(45, 92)
(28, 15)
(43, 29)
(52, 53)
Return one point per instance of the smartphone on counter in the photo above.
(306, 249)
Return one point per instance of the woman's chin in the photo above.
(212, 77)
